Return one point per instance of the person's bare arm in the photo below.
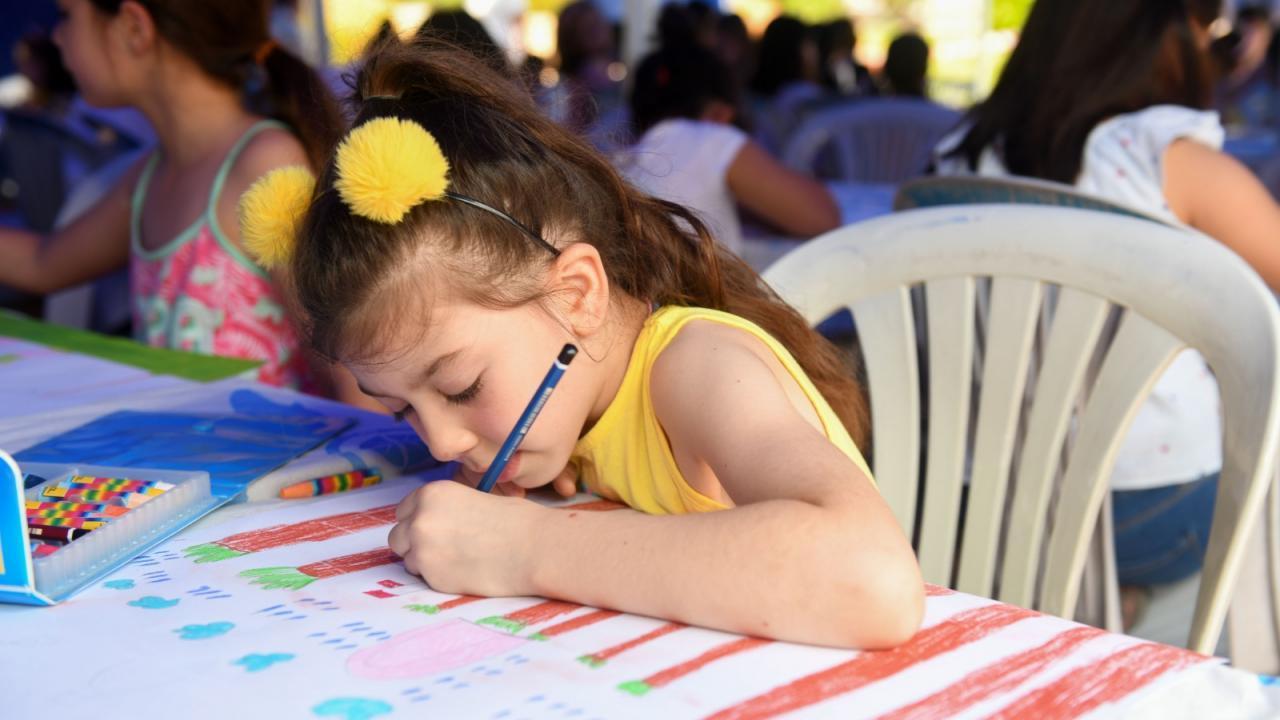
(94, 244)
(1216, 194)
(795, 203)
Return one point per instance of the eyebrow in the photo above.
(434, 368)
(431, 370)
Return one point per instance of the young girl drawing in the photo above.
(456, 241)
(227, 105)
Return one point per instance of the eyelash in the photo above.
(467, 395)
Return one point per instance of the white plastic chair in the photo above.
(882, 140)
(1027, 526)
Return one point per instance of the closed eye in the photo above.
(467, 395)
(402, 413)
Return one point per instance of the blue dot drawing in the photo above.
(204, 632)
(255, 662)
(118, 584)
(351, 708)
(153, 602)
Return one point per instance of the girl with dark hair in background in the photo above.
(683, 104)
(1111, 97)
(785, 81)
(227, 105)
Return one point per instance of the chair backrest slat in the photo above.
(1011, 327)
(1077, 322)
(890, 363)
(949, 306)
(1140, 351)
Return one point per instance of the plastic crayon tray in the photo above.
(74, 524)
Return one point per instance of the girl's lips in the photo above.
(513, 467)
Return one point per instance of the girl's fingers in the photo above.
(398, 539)
(566, 483)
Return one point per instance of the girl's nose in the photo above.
(446, 438)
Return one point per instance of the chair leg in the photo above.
(1253, 630)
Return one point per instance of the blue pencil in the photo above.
(527, 417)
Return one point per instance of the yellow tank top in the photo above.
(626, 456)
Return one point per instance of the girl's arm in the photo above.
(810, 552)
(1214, 193)
(795, 203)
(94, 244)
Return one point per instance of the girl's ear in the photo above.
(579, 288)
(136, 27)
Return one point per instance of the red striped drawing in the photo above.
(572, 624)
(995, 679)
(865, 668)
(514, 622)
(671, 674)
(600, 657)
(446, 605)
(1103, 682)
(276, 536)
(295, 578)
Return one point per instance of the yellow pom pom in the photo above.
(270, 212)
(386, 166)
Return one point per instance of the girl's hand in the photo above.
(465, 542)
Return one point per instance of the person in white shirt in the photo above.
(1109, 96)
(682, 105)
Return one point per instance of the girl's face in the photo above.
(463, 384)
(89, 50)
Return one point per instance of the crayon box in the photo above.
(65, 526)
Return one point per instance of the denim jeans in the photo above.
(1161, 533)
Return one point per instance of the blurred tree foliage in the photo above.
(1009, 14)
(814, 11)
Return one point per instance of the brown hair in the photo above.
(226, 40)
(504, 152)
(1079, 62)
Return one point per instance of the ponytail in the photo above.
(298, 97)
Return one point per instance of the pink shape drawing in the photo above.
(436, 648)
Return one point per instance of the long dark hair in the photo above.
(349, 271)
(1079, 62)
(679, 82)
(229, 41)
(781, 55)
